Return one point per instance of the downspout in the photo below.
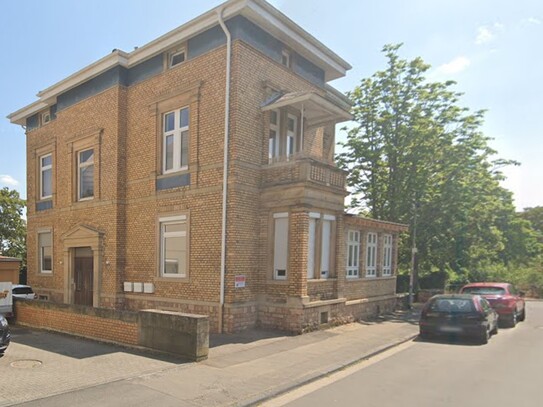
(225, 164)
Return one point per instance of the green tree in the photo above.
(12, 224)
(414, 152)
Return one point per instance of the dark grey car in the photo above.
(458, 315)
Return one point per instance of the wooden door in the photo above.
(83, 276)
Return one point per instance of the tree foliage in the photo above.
(415, 153)
(12, 225)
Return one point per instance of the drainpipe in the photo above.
(225, 164)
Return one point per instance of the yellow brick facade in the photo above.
(123, 124)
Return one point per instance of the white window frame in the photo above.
(285, 58)
(45, 118)
(387, 255)
(371, 254)
(291, 136)
(40, 252)
(273, 142)
(312, 244)
(326, 245)
(176, 133)
(43, 169)
(353, 254)
(172, 220)
(81, 166)
(172, 55)
(280, 247)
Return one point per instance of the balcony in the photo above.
(301, 168)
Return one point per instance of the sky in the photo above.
(492, 48)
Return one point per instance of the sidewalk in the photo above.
(247, 368)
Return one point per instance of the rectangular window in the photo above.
(280, 246)
(176, 140)
(176, 58)
(273, 141)
(46, 176)
(173, 246)
(85, 174)
(292, 130)
(353, 253)
(387, 255)
(285, 58)
(45, 252)
(326, 239)
(371, 255)
(312, 245)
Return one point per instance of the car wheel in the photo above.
(511, 321)
(485, 335)
(495, 329)
(522, 315)
(424, 335)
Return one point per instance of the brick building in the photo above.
(129, 206)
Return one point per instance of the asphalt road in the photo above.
(506, 372)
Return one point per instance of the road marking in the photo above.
(334, 377)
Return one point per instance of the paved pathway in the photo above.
(241, 370)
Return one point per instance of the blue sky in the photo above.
(492, 48)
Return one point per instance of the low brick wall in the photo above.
(95, 323)
(182, 334)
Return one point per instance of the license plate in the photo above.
(450, 329)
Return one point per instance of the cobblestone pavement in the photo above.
(39, 364)
(47, 369)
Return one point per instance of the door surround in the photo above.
(82, 236)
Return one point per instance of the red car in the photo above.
(503, 297)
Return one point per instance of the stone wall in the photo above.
(186, 335)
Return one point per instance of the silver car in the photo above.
(5, 335)
(24, 292)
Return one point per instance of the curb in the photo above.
(285, 389)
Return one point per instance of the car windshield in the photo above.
(452, 305)
(484, 290)
(22, 290)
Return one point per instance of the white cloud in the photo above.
(487, 33)
(532, 20)
(8, 180)
(457, 65)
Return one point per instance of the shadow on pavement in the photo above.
(247, 336)
(77, 347)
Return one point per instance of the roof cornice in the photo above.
(265, 15)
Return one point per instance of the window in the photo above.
(176, 58)
(45, 118)
(85, 174)
(280, 246)
(176, 140)
(283, 135)
(326, 239)
(45, 252)
(371, 254)
(285, 58)
(273, 141)
(353, 253)
(292, 129)
(312, 243)
(387, 255)
(173, 246)
(46, 171)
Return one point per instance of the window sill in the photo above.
(321, 280)
(170, 279)
(278, 282)
(45, 274)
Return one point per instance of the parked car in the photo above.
(458, 315)
(503, 297)
(5, 335)
(23, 291)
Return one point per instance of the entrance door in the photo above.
(83, 275)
